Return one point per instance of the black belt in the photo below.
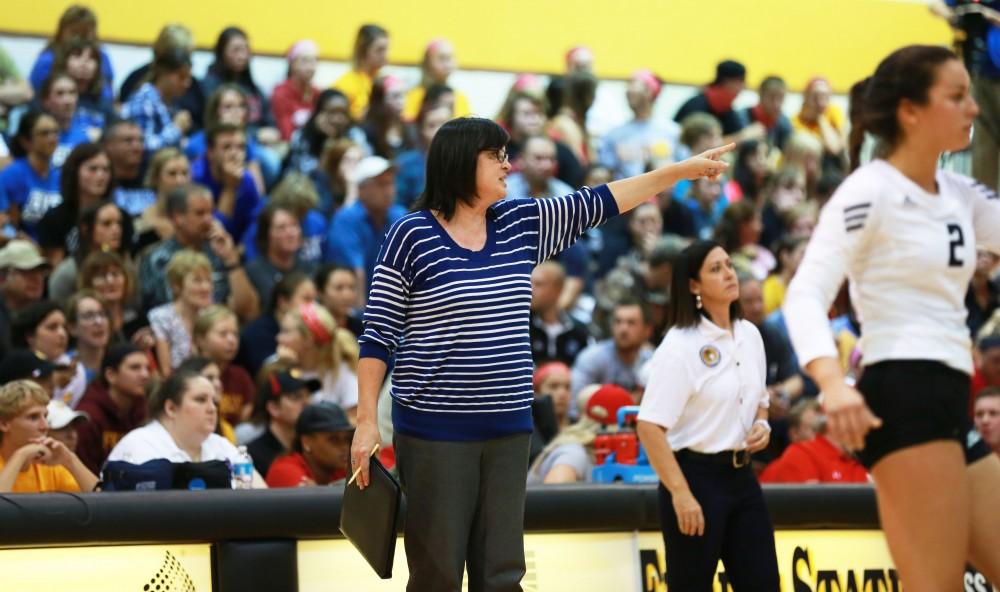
(732, 458)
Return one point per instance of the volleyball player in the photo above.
(906, 234)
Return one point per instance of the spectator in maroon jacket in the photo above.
(115, 402)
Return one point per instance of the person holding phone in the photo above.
(450, 302)
(703, 414)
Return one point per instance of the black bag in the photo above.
(156, 474)
(213, 474)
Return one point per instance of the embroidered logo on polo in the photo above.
(710, 356)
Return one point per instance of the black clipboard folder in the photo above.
(370, 518)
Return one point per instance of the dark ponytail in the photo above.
(855, 113)
(907, 73)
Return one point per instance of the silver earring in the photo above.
(697, 301)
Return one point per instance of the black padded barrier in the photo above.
(313, 512)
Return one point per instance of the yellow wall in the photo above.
(681, 40)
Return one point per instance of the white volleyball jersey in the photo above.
(909, 256)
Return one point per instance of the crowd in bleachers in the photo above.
(184, 264)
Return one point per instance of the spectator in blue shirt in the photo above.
(149, 105)
(644, 142)
(223, 170)
(357, 230)
(31, 183)
(767, 112)
(76, 22)
(123, 140)
(536, 178)
(81, 59)
(60, 98)
(227, 104)
(413, 163)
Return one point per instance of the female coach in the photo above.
(450, 300)
(906, 235)
(703, 413)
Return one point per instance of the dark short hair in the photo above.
(285, 288)
(452, 161)
(729, 70)
(683, 312)
(323, 274)
(177, 199)
(172, 60)
(113, 122)
(24, 129)
(195, 364)
(222, 128)
(647, 314)
(989, 391)
(772, 82)
(27, 320)
(49, 82)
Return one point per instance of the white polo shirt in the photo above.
(706, 385)
(153, 441)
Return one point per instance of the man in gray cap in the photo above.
(357, 230)
(22, 281)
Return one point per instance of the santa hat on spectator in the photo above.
(650, 80)
(300, 47)
(602, 402)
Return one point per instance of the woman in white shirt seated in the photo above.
(183, 427)
(704, 412)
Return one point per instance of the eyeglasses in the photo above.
(500, 154)
(93, 316)
(109, 276)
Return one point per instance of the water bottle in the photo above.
(243, 470)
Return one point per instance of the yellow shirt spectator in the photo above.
(773, 290)
(415, 98)
(832, 114)
(40, 478)
(357, 86)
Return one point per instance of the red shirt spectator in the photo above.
(292, 471)
(815, 461)
(293, 101)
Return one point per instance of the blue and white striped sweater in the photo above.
(457, 320)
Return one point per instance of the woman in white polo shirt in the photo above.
(183, 427)
(703, 413)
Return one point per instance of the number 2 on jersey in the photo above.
(957, 241)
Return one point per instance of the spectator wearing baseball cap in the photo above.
(22, 281)
(357, 230)
(321, 451)
(281, 397)
(63, 422)
(23, 364)
(717, 98)
(115, 402)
